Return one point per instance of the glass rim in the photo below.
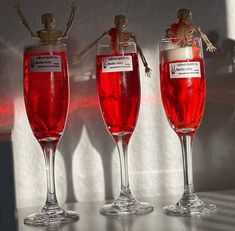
(42, 45)
(170, 39)
(100, 44)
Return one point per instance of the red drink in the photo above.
(46, 91)
(119, 96)
(183, 98)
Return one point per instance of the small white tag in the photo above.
(45, 63)
(185, 70)
(117, 64)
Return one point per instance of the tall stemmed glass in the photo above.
(46, 95)
(183, 91)
(118, 87)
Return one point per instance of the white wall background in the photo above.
(87, 165)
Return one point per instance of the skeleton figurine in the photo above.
(49, 34)
(183, 31)
(117, 34)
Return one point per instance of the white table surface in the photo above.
(90, 220)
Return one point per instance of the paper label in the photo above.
(117, 64)
(45, 63)
(185, 70)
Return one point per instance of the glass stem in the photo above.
(186, 144)
(122, 145)
(49, 148)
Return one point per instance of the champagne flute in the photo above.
(46, 95)
(118, 87)
(183, 91)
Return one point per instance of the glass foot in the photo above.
(188, 206)
(51, 218)
(126, 206)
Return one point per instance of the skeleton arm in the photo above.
(24, 21)
(147, 69)
(71, 19)
(77, 58)
(209, 45)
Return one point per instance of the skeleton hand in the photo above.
(148, 71)
(17, 6)
(211, 48)
(74, 7)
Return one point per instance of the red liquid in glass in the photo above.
(183, 99)
(119, 97)
(46, 97)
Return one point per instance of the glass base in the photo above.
(126, 206)
(51, 218)
(189, 205)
